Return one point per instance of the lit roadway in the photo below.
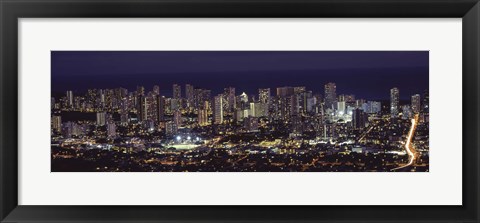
(408, 144)
(366, 133)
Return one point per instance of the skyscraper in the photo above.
(264, 95)
(171, 128)
(416, 107)
(349, 98)
(177, 97)
(330, 95)
(255, 109)
(189, 94)
(203, 114)
(373, 107)
(70, 99)
(242, 101)
(101, 118)
(57, 123)
(101, 98)
(200, 96)
(341, 107)
(142, 109)
(177, 118)
(407, 112)
(111, 130)
(394, 101)
(218, 109)
(359, 102)
(151, 107)
(202, 117)
(229, 99)
(160, 108)
(359, 118)
(177, 91)
(285, 91)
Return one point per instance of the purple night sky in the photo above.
(367, 74)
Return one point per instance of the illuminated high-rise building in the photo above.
(151, 107)
(359, 118)
(177, 118)
(255, 109)
(330, 95)
(202, 117)
(70, 99)
(175, 104)
(341, 106)
(160, 108)
(407, 112)
(285, 91)
(297, 125)
(111, 130)
(318, 124)
(264, 95)
(101, 98)
(177, 98)
(416, 103)
(394, 101)
(200, 96)
(238, 115)
(101, 118)
(177, 91)
(311, 103)
(171, 128)
(189, 95)
(57, 123)
(218, 109)
(242, 101)
(349, 98)
(372, 107)
(142, 110)
(244, 97)
(287, 107)
(360, 102)
(229, 104)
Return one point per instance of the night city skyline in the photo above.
(240, 111)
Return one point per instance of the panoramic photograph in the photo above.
(239, 111)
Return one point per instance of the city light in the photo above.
(241, 121)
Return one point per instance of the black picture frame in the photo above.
(12, 10)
